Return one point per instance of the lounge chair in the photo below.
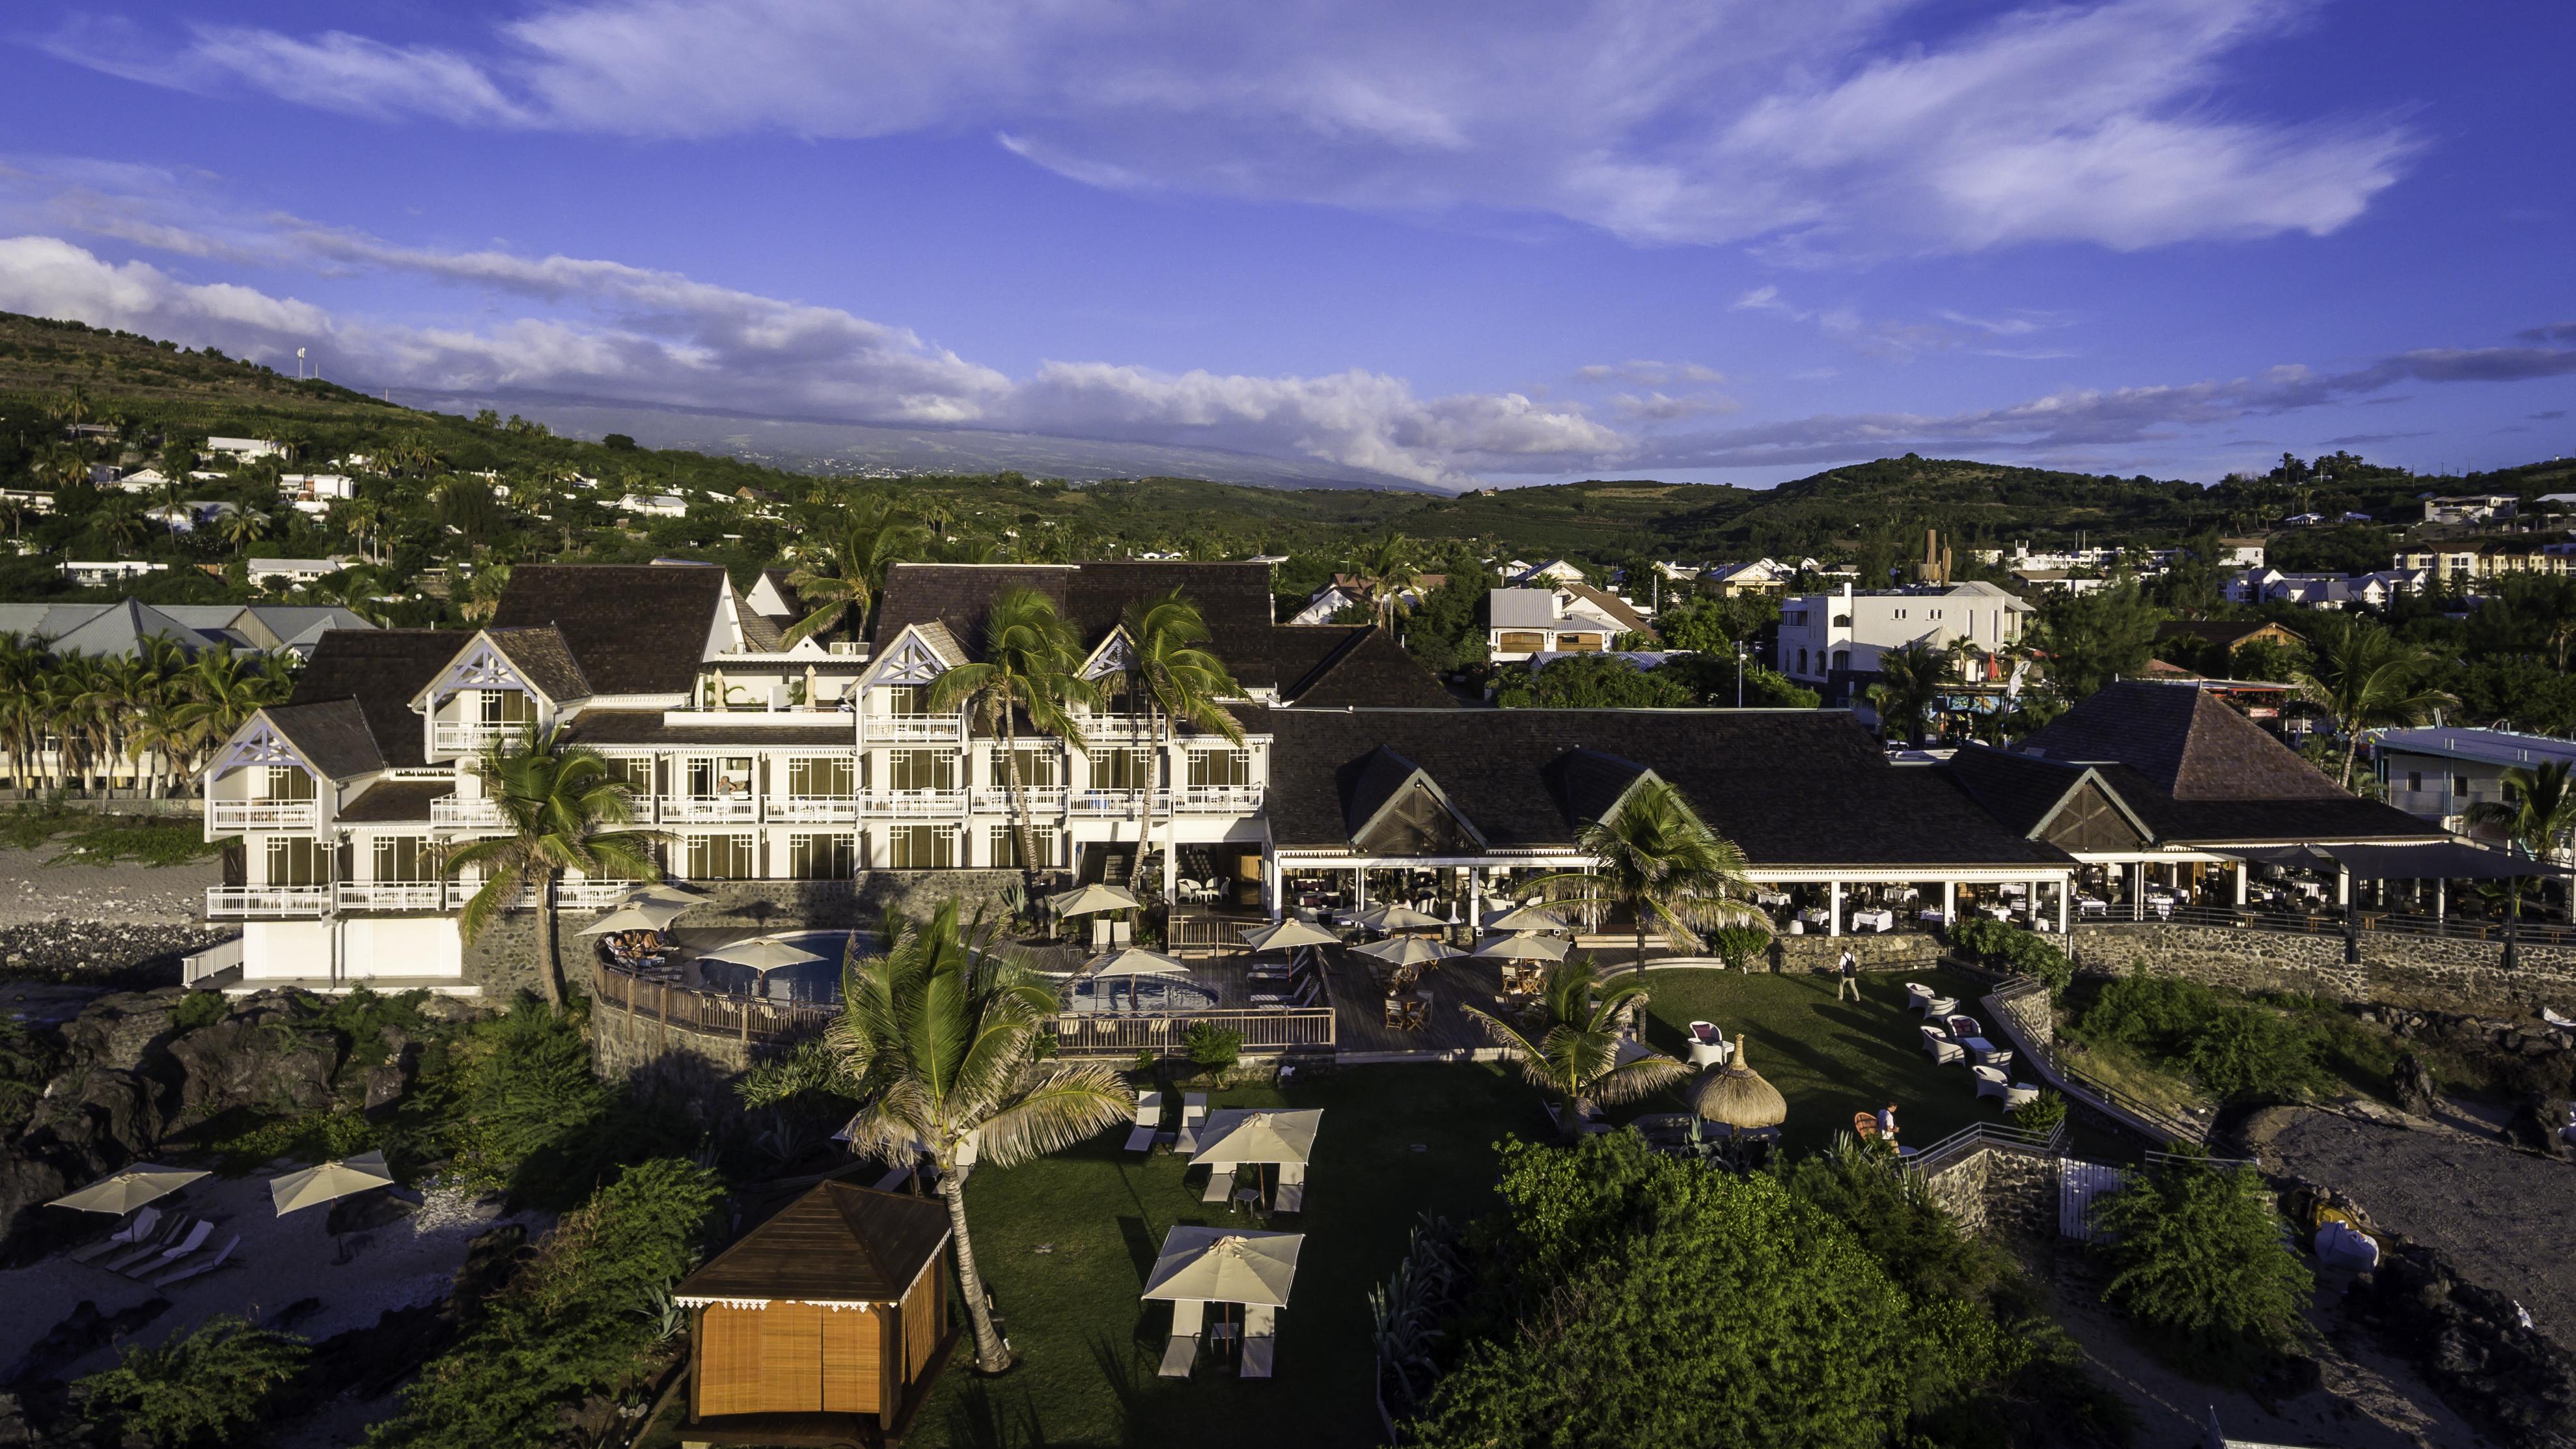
(1291, 1197)
(1707, 1045)
(1193, 1112)
(1918, 996)
(1991, 1055)
(1183, 1350)
(1943, 1050)
(1220, 1184)
(1149, 1118)
(1940, 1006)
(139, 1229)
(186, 1235)
(1991, 1082)
(1963, 1027)
(1260, 1340)
(190, 1267)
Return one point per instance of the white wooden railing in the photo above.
(1213, 800)
(268, 900)
(590, 894)
(703, 808)
(220, 957)
(830, 808)
(460, 810)
(1041, 801)
(458, 737)
(392, 895)
(1107, 802)
(913, 804)
(924, 728)
(262, 814)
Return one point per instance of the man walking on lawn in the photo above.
(1851, 977)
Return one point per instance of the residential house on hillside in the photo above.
(653, 505)
(270, 573)
(1760, 576)
(1570, 619)
(1554, 571)
(97, 573)
(1350, 591)
(2477, 561)
(1832, 642)
(2323, 591)
(113, 630)
(2468, 508)
(2438, 772)
(246, 449)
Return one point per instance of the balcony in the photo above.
(453, 737)
(1042, 800)
(590, 895)
(392, 895)
(1214, 800)
(711, 809)
(224, 816)
(1097, 803)
(914, 805)
(939, 729)
(236, 902)
(1132, 727)
(458, 810)
(828, 809)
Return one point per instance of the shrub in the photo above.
(27, 1059)
(2197, 1255)
(198, 1008)
(1214, 1047)
(1736, 945)
(2014, 949)
(204, 1388)
(2247, 1052)
(2041, 1113)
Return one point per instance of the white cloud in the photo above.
(49, 277)
(1678, 121)
(1644, 373)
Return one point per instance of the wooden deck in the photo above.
(1359, 1009)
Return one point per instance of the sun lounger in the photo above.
(175, 1240)
(141, 1228)
(1291, 1197)
(1193, 1112)
(1260, 1340)
(189, 1267)
(2560, 1022)
(1183, 1350)
(1988, 1054)
(1149, 1118)
(195, 1238)
(1943, 1050)
(1220, 1184)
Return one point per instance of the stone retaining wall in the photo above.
(2421, 972)
(1893, 951)
(1997, 1192)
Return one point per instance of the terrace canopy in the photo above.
(1287, 936)
(761, 953)
(637, 915)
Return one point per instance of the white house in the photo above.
(246, 449)
(1837, 638)
(191, 515)
(1761, 576)
(143, 480)
(90, 574)
(1572, 619)
(653, 505)
(2470, 508)
(1554, 571)
(273, 572)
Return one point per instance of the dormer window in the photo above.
(907, 699)
(505, 709)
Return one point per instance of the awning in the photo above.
(2434, 860)
(2288, 857)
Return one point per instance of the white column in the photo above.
(1359, 888)
(1475, 899)
(2343, 887)
(2244, 868)
(1274, 887)
(2065, 889)
(1949, 903)
(2441, 899)
(1833, 908)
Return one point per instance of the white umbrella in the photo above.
(1524, 918)
(1225, 1265)
(1135, 961)
(1091, 899)
(1287, 936)
(760, 953)
(1407, 951)
(665, 892)
(1397, 918)
(1240, 1134)
(633, 916)
(329, 1181)
(1523, 948)
(123, 1192)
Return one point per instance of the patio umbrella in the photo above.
(1523, 948)
(1253, 1135)
(1525, 918)
(665, 892)
(1091, 899)
(329, 1181)
(1135, 961)
(1408, 951)
(1287, 936)
(1225, 1265)
(761, 953)
(1736, 1096)
(122, 1192)
(1391, 917)
(633, 916)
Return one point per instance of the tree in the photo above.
(1180, 680)
(1593, 681)
(2092, 638)
(1032, 664)
(2195, 1251)
(243, 527)
(1574, 1057)
(1386, 566)
(224, 689)
(204, 1387)
(483, 593)
(2538, 814)
(2366, 677)
(565, 810)
(871, 537)
(1910, 677)
(940, 1037)
(1654, 857)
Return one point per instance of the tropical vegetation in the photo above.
(1577, 1046)
(73, 721)
(2538, 817)
(1032, 667)
(2197, 1256)
(208, 1386)
(1653, 857)
(2365, 677)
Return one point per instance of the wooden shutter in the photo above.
(728, 1376)
(850, 1368)
(791, 1358)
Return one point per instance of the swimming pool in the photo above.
(813, 983)
(1102, 996)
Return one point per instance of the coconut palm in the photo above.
(2538, 815)
(1910, 680)
(1583, 1024)
(1032, 665)
(2365, 677)
(1178, 679)
(225, 688)
(483, 593)
(941, 1036)
(1386, 566)
(1655, 857)
(871, 537)
(565, 810)
(243, 527)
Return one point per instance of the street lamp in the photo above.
(1739, 674)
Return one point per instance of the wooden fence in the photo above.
(741, 1017)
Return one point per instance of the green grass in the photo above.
(1089, 1347)
(1828, 1058)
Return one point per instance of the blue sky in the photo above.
(1726, 240)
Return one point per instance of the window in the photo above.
(907, 699)
(822, 777)
(1121, 770)
(1212, 768)
(922, 847)
(2459, 784)
(1935, 613)
(922, 770)
(505, 708)
(822, 857)
(1842, 659)
(1037, 767)
(721, 857)
(1900, 613)
(728, 778)
(1579, 643)
(405, 858)
(285, 782)
(635, 770)
(1003, 848)
(296, 862)
(1522, 641)
(1802, 661)
(2414, 779)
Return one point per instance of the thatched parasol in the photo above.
(1736, 1096)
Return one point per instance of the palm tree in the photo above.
(1653, 856)
(244, 527)
(1910, 679)
(1032, 663)
(483, 593)
(872, 537)
(224, 689)
(2365, 677)
(1180, 682)
(940, 1036)
(2538, 813)
(1386, 566)
(1575, 1057)
(565, 810)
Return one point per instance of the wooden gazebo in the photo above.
(824, 1325)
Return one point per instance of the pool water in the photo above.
(1120, 994)
(813, 983)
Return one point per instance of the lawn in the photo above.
(1828, 1058)
(1066, 1241)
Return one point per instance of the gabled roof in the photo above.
(380, 670)
(542, 659)
(1341, 665)
(631, 628)
(1591, 784)
(120, 629)
(334, 736)
(2185, 741)
(2026, 792)
(1234, 599)
(394, 802)
(1612, 605)
(2226, 632)
(836, 1244)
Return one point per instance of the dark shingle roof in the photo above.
(388, 802)
(1792, 787)
(381, 669)
(1234, 598)
(2226, 632)
(1612, 605)
(836, 1244)
(333, 735)
(544, 660)
(2185, 740)
(644, 727)
(631, 628)
(2338, 817)
(1342, 666)
(2018, 790)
